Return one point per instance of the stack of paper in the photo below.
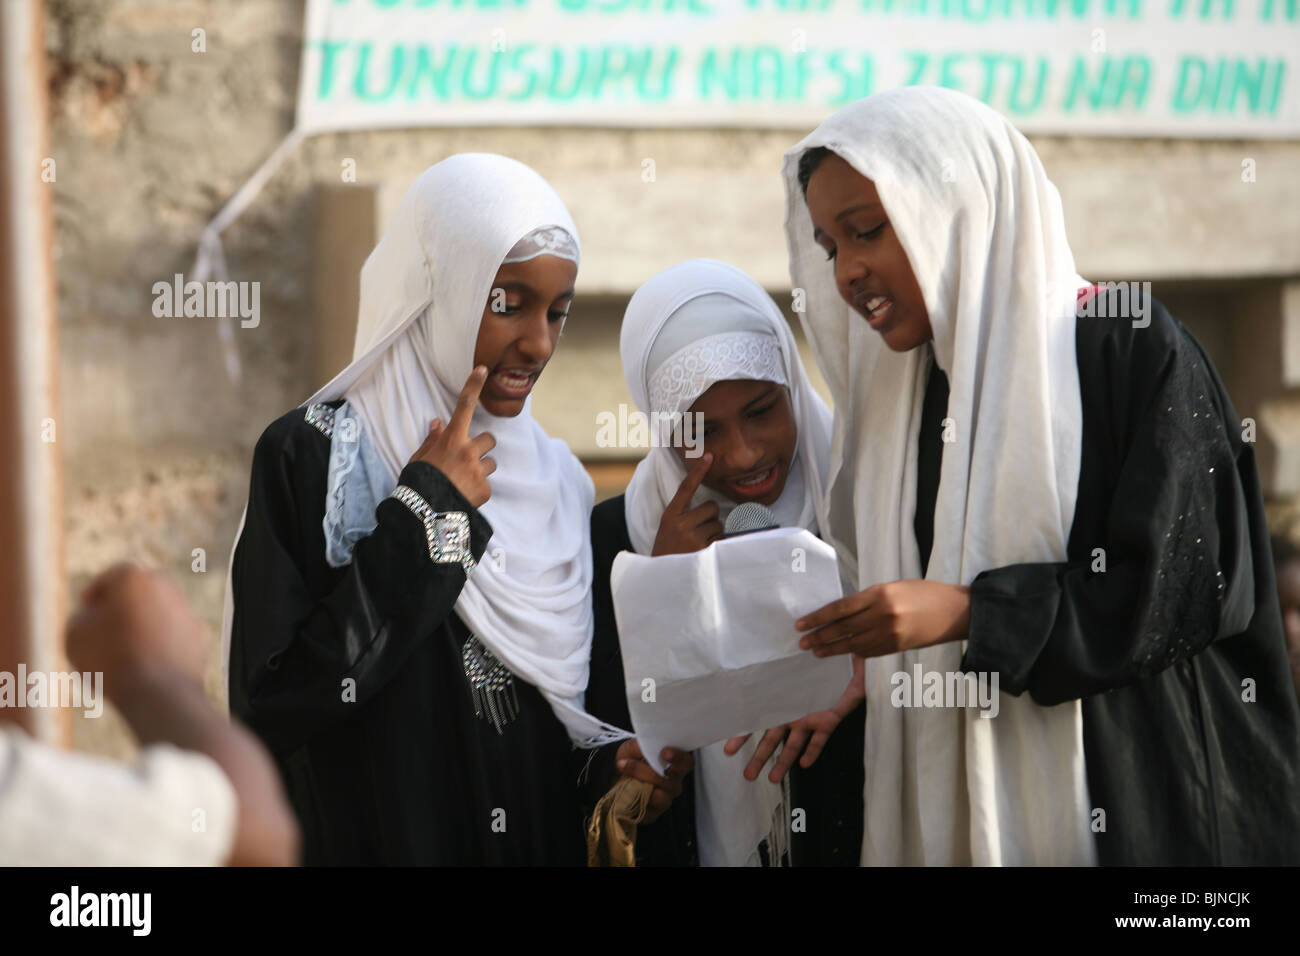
(708, 639)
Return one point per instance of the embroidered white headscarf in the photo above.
(709, 341)
(694, 324)
(983, 230)
(423, 291)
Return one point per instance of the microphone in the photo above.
(747, 518)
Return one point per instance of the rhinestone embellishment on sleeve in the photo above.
(321, 416)
(491, 685)
(447, 532)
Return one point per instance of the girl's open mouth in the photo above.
(876, 308)
(755, 485)
(513, 382)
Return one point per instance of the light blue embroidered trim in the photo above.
(358, 480)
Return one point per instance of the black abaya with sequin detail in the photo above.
(1190, 724)
(355, 679)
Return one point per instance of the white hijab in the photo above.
(694, 324)
(983, 230)
(678, 291)
(423, 291)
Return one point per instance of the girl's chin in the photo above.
(903, 339)
(896, 345)
(502, 407)
(769, 499)
(773, 496)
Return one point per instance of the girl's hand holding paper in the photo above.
(668, 787)
(806, 736)
(888, 618)
(707, 650)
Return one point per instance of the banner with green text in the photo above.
(1183, 68)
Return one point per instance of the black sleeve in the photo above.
(1171, 523)
(670, 840)
(294, 647)
(605, 698)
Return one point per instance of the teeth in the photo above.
(756, 480)
(513, 379)
(875, 302)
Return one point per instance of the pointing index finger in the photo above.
(691, 483)
(468, 400)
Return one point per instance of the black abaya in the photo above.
(354, 679)
(670, 840)
(1174, 644)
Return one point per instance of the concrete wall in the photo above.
(150, 139)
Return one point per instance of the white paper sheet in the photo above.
(714, 631)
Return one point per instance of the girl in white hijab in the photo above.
(1058, 503)
(408, 619)
(968, 207)
(703, 341)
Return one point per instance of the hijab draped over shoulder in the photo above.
(983, 230)
(423, 292)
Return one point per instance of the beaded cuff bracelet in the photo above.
(447, 532)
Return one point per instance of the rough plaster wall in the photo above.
(150, 139)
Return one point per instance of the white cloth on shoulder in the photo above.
(67, 808)
(983, 230)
